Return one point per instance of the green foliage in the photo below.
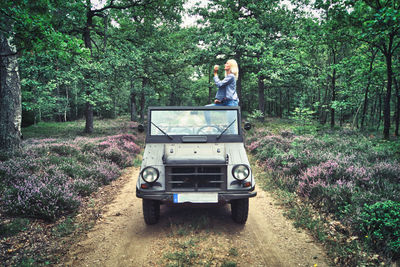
(48, 177)
(233, 252)
(13, 227)
(380, 223)
(65, 228)
(182, 258)
(141, 54)
(342, 174)
(255, 116)
(229, 264)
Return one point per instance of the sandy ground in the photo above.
(197, 236)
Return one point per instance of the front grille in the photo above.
(199, 178)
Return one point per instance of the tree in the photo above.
(16, 20)
(138, 10)
(379, 25)
(248, 31)
(10, 94)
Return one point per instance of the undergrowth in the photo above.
(341, 185)
(46, 181)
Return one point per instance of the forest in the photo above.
(318, 79)
(335, 62)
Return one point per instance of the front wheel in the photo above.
(240, 210)
(151, 211)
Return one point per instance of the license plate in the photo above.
(202, 197)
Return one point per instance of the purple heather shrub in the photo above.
(64, 149)
(324, 174)
(361, 175)
(33, 141)
(344, 183)
(47, 179)
(103, 172)
(119, 149)
(18, 168)
(253, 146)
(84, 187)
(256, 134)
(116, 155)
(45, 196)
(386, 171)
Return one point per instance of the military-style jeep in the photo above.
(195, 155)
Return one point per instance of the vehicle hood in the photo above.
(212, 153)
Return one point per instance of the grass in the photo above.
(233, 252)
(13, 227)
(194, 242)
(65, 228)
(228, 264)
(101, 127)
(182, 258)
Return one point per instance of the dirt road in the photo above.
(198, 236)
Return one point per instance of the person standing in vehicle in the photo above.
(226, 94)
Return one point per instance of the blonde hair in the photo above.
(234, 68)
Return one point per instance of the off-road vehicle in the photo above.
(195, 155)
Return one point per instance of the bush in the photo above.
(380, 223)
(343, 174)
(47, 179)
(84, 187)
(46, 196)
(64, 149)
(103, 172)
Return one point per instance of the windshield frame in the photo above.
(193, 138)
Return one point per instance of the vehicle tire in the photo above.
(151, 211)
(240, 210)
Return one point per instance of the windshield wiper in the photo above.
(219, 136)
(170, 137)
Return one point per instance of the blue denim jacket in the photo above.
(226, 88)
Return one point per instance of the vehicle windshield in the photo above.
(194, 122)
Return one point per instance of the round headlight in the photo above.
(150, 174)
(240, 172)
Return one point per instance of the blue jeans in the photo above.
(229, 103)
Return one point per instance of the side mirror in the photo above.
(140, 128)
(247, 126)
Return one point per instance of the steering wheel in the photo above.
(215, 130)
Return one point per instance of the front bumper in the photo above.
(169, 196)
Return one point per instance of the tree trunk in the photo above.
(397, 113)
(379, 109)
(323, 116)
(261, 95)
(88, 27)
(333, 91)
(386, 105)
(373, 109)
(89, 118)
(133, 104)
(88, 44)
(365, 107)
(66, 104)
(142, 104)
(133, 107)
(10, 95)
(145, 83)
(288, 99)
